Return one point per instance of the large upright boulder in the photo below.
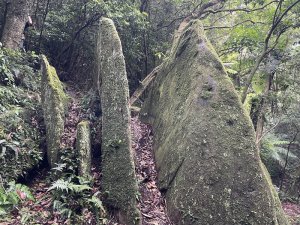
(119, 181)
(54, 102)
(204, 145)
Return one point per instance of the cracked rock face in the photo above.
(204, 144)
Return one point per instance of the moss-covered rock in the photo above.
(54, 102)
(204, 145)
(83, 147)
(117, 162)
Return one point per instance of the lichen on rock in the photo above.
(204, 145)
(83, 147)
(118, 181)
(54, 102)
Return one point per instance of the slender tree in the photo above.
(15, 20)
(278, 17)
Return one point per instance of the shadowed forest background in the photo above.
(254, 43)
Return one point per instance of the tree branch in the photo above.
(88, 23)
(230, 27)
(237, 9)
(266, 50)
(144, 84)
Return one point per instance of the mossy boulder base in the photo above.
(118, 171)
(54, 102)
(207, 159)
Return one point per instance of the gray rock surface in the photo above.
(204, 145)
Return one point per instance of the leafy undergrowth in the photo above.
(59, 202)
(60, 196)
(21, 124)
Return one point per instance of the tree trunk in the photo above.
(16, 18)
(262, 110)
(252, 73)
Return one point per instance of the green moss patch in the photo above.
(54, 102)
(83, 147)
(119, 182)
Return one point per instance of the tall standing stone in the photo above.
(54, 102)
(205, 151)
(119, 181)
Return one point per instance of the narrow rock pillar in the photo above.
(119, 181)
(83, 147)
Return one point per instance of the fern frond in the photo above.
(77, 188)
(97, 203)
(61, 185)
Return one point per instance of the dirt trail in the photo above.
(292, 210)
(152, 203)
(73, 117)
(40, 211)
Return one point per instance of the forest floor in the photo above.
(292, 210)
(151, 201)
(41, 211)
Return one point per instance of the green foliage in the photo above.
(20, 121)
(258, 83)
(17, 68)
(65, 186)
(273, 154)
(69, 31)
(13, 195)
(5, 74)
(68, 164)
(74, 194)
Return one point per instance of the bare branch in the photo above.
(88, 23)
(238, 10)
(208, 5)
(230, 27)
(144, 84)
(276, 11)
